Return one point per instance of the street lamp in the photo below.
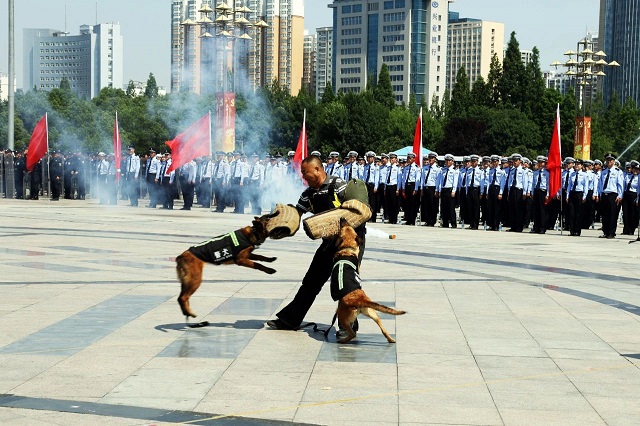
(223, 30)
(584, 69)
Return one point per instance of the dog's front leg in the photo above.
(261, 258)
(244, 259)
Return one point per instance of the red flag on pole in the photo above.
(417, 139)
(301, 149)
(39, 143)
(554, 165)
(117, 147)
(193, 142)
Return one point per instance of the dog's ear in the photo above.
(343, 222)
(358, 240)
(257, 224)
(339, 241)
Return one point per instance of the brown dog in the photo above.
(345, 286)
(235, 247)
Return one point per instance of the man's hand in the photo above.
(453, 194)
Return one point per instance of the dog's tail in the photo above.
(381, 308)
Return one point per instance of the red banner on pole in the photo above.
(554, 163)
(225, 122)
(117, 147)
(302, 148)
(39, 143)
(193, 142)
(417, 139)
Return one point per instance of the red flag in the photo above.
(39, 143)
(554, 165)
(301, 149)
(193, 142)
(417, 139)
(117, 146)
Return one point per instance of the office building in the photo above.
(4, 86)
(472, 43)
(620, 40)
(409, 36)
(90, 61)
(309, 63)
(324, 62)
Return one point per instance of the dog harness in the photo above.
(221, 248)
(344, 277)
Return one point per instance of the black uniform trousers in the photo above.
(111, 190)
(429, 206)
(168, 192)
(504, 208)
(574, 216)
(492, 214)
(473, 207)
(629, 213)
(237, 194)
(56, 187)
(527, 204)
(151, 189)
(373, 201)
(411, 203)
(391, 206)
(609, 211)
(588, 211)
(539, 211)
(447, 208)
(516, 210)
(318, 273)
(464, 206)
(188, 189)
(380, 200)
(219, 194)
(255, 197)
(204, 196)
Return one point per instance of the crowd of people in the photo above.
(492, 191)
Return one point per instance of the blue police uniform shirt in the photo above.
(448, 179)
(475, 178)
(429, 176)
(578, 183)
(611, 181)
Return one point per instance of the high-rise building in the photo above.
(409, 36)
(620, 40)
(472, 43)
(278, 51)
(4, 86)
(324, 62)
(309, 63)
(90, 61)
(256, 54)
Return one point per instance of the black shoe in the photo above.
(278, 324)
(185, 208)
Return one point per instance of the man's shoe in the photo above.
(278, 324)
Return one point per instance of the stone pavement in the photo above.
(501, 328)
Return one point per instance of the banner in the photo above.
(225, 122)
(117, 147)
(192, 143)
(554, 163)
(302, 149)
(39, 143)
(582, 140)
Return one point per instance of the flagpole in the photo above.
(46, 122)
(211, 162)
(560, 151)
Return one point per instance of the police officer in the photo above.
(238, 175)
(610, 194)
(56, 170)
(527, 201)
(446, 191)
(68, 175)
(630, 200)
(475, 187)
(221, 172)
(350, 169)
(371, 178)
(383, 176)
(428, 181)
(187, 176)
(539, 192)
(577, 190)
(493, 180)
(131, 174)
(150, 177)
(515, 183)
(334, 168)
(19, 171)
(409, 187)
(255, 184)
(391, 193)
(461, 193)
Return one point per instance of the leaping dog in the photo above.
(236, 247)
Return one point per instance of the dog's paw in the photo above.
(270, 271)
(270, 259)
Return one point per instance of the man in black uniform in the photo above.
(56, 167)
(324, 193)
(19, 168)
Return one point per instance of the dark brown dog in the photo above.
(235, 247)
(345, 286)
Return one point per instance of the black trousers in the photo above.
(56, 187)
(391, 206)
(187, 192)
(151, 188)
(447, 208)
(539, 210)
(504, 208)
(629, 213)
(609, 211)
(168, 193)
(380, 200)
(255, 197)
(464, 207)
(516, 210)
(318, 273)
(237, 194)
(492, 214)
(429, 206)
(588, 211)
(373, 201)
(411, 203)
(473, 207)
(204, 196)
(574, 216)
(134, 190)
(219, 193)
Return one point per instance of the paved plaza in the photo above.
(501, 329)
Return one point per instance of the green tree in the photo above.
(131, 89)
(480, 93)
(64, 84)
(534, 89)
(512, 84)
(460, 95)
(493, 80)
(329, 95)
(383, 92)
(413, 105)
(151, 91)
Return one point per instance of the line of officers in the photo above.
(496, 191)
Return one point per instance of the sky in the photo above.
(551, 25)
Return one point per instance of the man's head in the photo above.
(609, 160)
(410, 158)
(132, 150)
(312, 171)
(474, 160)
(448, 160)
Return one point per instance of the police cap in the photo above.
(393, 155)
(291, 154)
(448, 157)
(515, 157)
(588, 163)
(411, 155)
(316, 153)
(597, 162)
(352, 154)
(474, 157)
(383, 155)
(370, 154)
(635, 164)
(495, 158)
(433, 154)
(466, 158)
(609, 156)
(569, 160)
(334, 154)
